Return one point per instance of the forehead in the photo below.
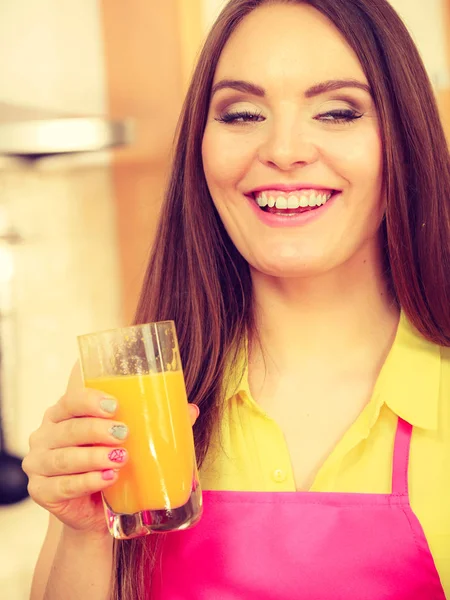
(287, 42)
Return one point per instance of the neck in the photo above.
(344, 315)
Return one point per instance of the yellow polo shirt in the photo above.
(414, 384)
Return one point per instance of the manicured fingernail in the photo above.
(109, 405)
(108, 475)
(120, 432)
(118, 455)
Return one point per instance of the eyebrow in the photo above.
(316, 90)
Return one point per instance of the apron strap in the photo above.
(401, 458)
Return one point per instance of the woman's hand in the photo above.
(76, 454)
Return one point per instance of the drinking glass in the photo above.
(158, 489)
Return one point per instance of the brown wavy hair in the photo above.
(197, 277)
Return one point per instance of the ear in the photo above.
(194, 412)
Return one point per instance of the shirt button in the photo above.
(279, 475)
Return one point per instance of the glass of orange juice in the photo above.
(158, 489)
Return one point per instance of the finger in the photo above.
(50, 490)
(85, 403)
(86, 431)
(71, 461)
(194, 413)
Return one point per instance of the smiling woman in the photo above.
(315, 235)
(304, 253)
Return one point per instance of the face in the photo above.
(311, 157)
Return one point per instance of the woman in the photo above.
(304, 253)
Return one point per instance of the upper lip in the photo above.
(293, 187)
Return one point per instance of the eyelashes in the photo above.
(342, 116)
(244, 116)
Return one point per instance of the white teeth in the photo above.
(262, 200)
(304, 202)
(296, 199)
(293, 202)
(312, 200)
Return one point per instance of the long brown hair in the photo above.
(196, 276)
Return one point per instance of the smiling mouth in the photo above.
(292, 203)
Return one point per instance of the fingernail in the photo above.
(108, 475)
(120, 432)
(118, 455)
(109, 405)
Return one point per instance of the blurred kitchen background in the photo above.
(76, 226)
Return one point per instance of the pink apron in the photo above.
(303, 545)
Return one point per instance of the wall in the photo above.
(210, 11)
(66, 278)
(51, 55)
(66, 283)
(429, 26)
(51, 60)
(444, 91)
(148, 49)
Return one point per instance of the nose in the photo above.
(286, 146)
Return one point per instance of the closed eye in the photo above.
(243, 116)
(247, 116)
(340, 116)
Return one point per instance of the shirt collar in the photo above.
(408, 383)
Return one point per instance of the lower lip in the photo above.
(292, 220)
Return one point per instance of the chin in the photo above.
(298, 267)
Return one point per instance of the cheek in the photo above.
(359, 159)
(226, 158)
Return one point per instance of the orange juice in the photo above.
(160, 442)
